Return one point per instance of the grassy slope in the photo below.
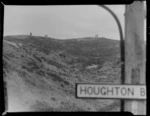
(41, 67)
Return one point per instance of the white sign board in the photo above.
(111, 91)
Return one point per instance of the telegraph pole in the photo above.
(135, 57)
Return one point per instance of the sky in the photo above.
(63, 22)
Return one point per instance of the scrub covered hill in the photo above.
(41, 72)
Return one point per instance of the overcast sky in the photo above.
(63, 22)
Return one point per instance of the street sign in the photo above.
(110, 91)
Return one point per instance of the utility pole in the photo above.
(135, 57)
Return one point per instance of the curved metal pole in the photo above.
(121, 35)
(121, 47)
(116, 19)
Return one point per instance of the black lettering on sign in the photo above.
(83, 90)
(117, 90)
(143, 92)
(103, 91)
(123, 91)
(109, 90)
(90, 90)
(130, 92)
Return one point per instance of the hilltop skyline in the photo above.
(63, 22)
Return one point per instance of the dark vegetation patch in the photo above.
(69, 91)
(41, 72)
(58, 65)
(57, 78)
(37, 58)
(31, 66)
(34, 81)
(54, 99)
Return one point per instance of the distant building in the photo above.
(96, 36)
(30, 34)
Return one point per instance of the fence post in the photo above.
(135, 53)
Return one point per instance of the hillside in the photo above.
(41, 73)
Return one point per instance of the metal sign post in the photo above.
(122, 49)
